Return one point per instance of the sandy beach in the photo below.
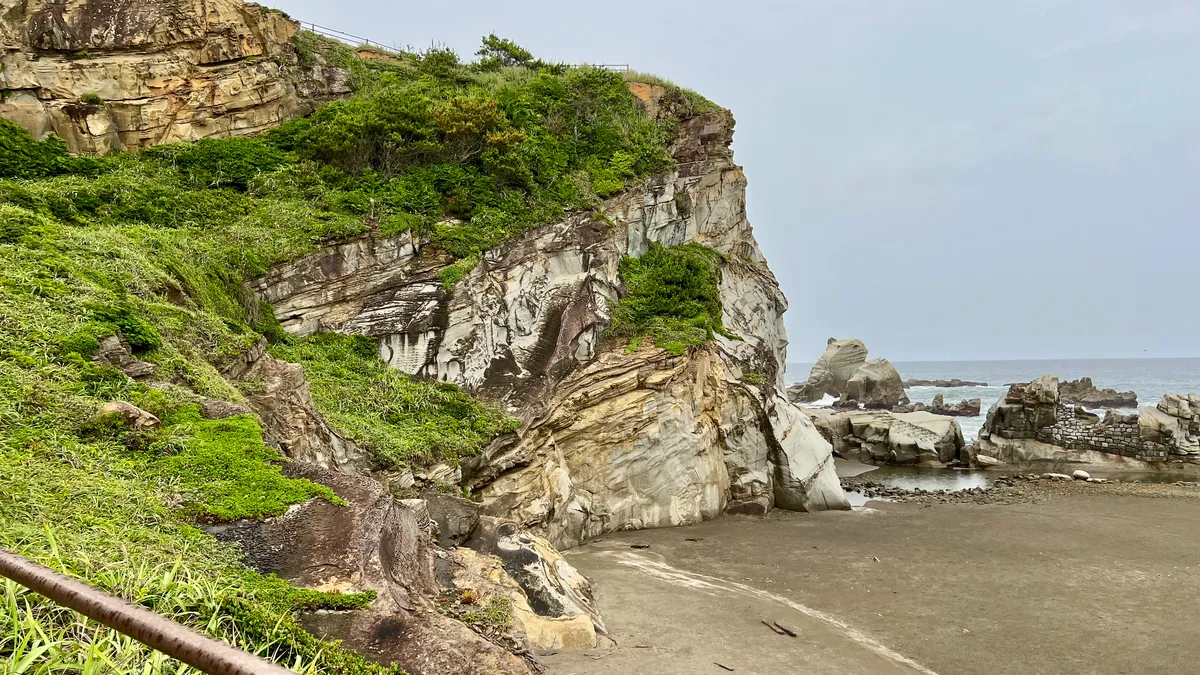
(1067, 577)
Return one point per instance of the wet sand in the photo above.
(1083, 579)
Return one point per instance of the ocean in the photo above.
(1150, 378)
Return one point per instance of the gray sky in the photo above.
(945, 179)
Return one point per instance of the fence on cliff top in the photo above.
(359, 41)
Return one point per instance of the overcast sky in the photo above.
(945, 179)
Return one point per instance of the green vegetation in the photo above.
(672, 297)
(398, 417)
(755, 378)
(155, 247)
(91, 99)
(492, 619)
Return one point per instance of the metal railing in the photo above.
(348, 38)
(141, 624)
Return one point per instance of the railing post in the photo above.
(153, 630)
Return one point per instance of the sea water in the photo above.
(1150, 378)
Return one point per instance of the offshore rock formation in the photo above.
(968, 408)
(831, 372)
(109, 75)
(1083, 392)
(1032, 424)
(609, 440)
(893, 438)
(876, 384)
(844, 371)
(952, 382)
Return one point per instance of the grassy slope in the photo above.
(154, 246)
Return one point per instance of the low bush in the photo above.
(672, 297)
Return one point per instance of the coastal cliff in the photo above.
(609, 440)
(275, 360)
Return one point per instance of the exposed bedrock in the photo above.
(378, 543)
(883, 437)
(1084, 393)
(107, 75)
(1033, 425)
(608, 440)
(844, 372)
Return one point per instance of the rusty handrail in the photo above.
(153, 630)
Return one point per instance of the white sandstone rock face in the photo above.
(609, 440)
(892, 438)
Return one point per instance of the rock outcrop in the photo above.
(892, 438)
(843, 371)
(1083, 392)
(281, 399)
(945, 384)
(831, 372)
(107, 76)
(608, 440)
(378, 543)
(876, 385)
(938, 406)
(1032, 424)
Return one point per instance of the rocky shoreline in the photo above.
(1016, 488)
(945, 384)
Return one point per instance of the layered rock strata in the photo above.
(377, 543)
(883, 437)
(609, 440)
(843, 371)
(107, 76)
(1033, 424)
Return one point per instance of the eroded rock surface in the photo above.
(892, 438)
(107, 75)
(875, 384)
(1032, 424)
(831, 372)
(1084, 393)
(378, 543)
(279, 394)
(608, 440)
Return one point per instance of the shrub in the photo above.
(221, 162)
(23, 157)
(91, 99)
(672, 296)
(498, 52)
(398, 417)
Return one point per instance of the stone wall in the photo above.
(1034, 413)
(1077, 429)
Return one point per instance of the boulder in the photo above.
(892, 438)
(876, 385)
(1083, 392)
(114, 351)
(1080, 474)
(134, 416)
(832, 371)
(455, 517)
